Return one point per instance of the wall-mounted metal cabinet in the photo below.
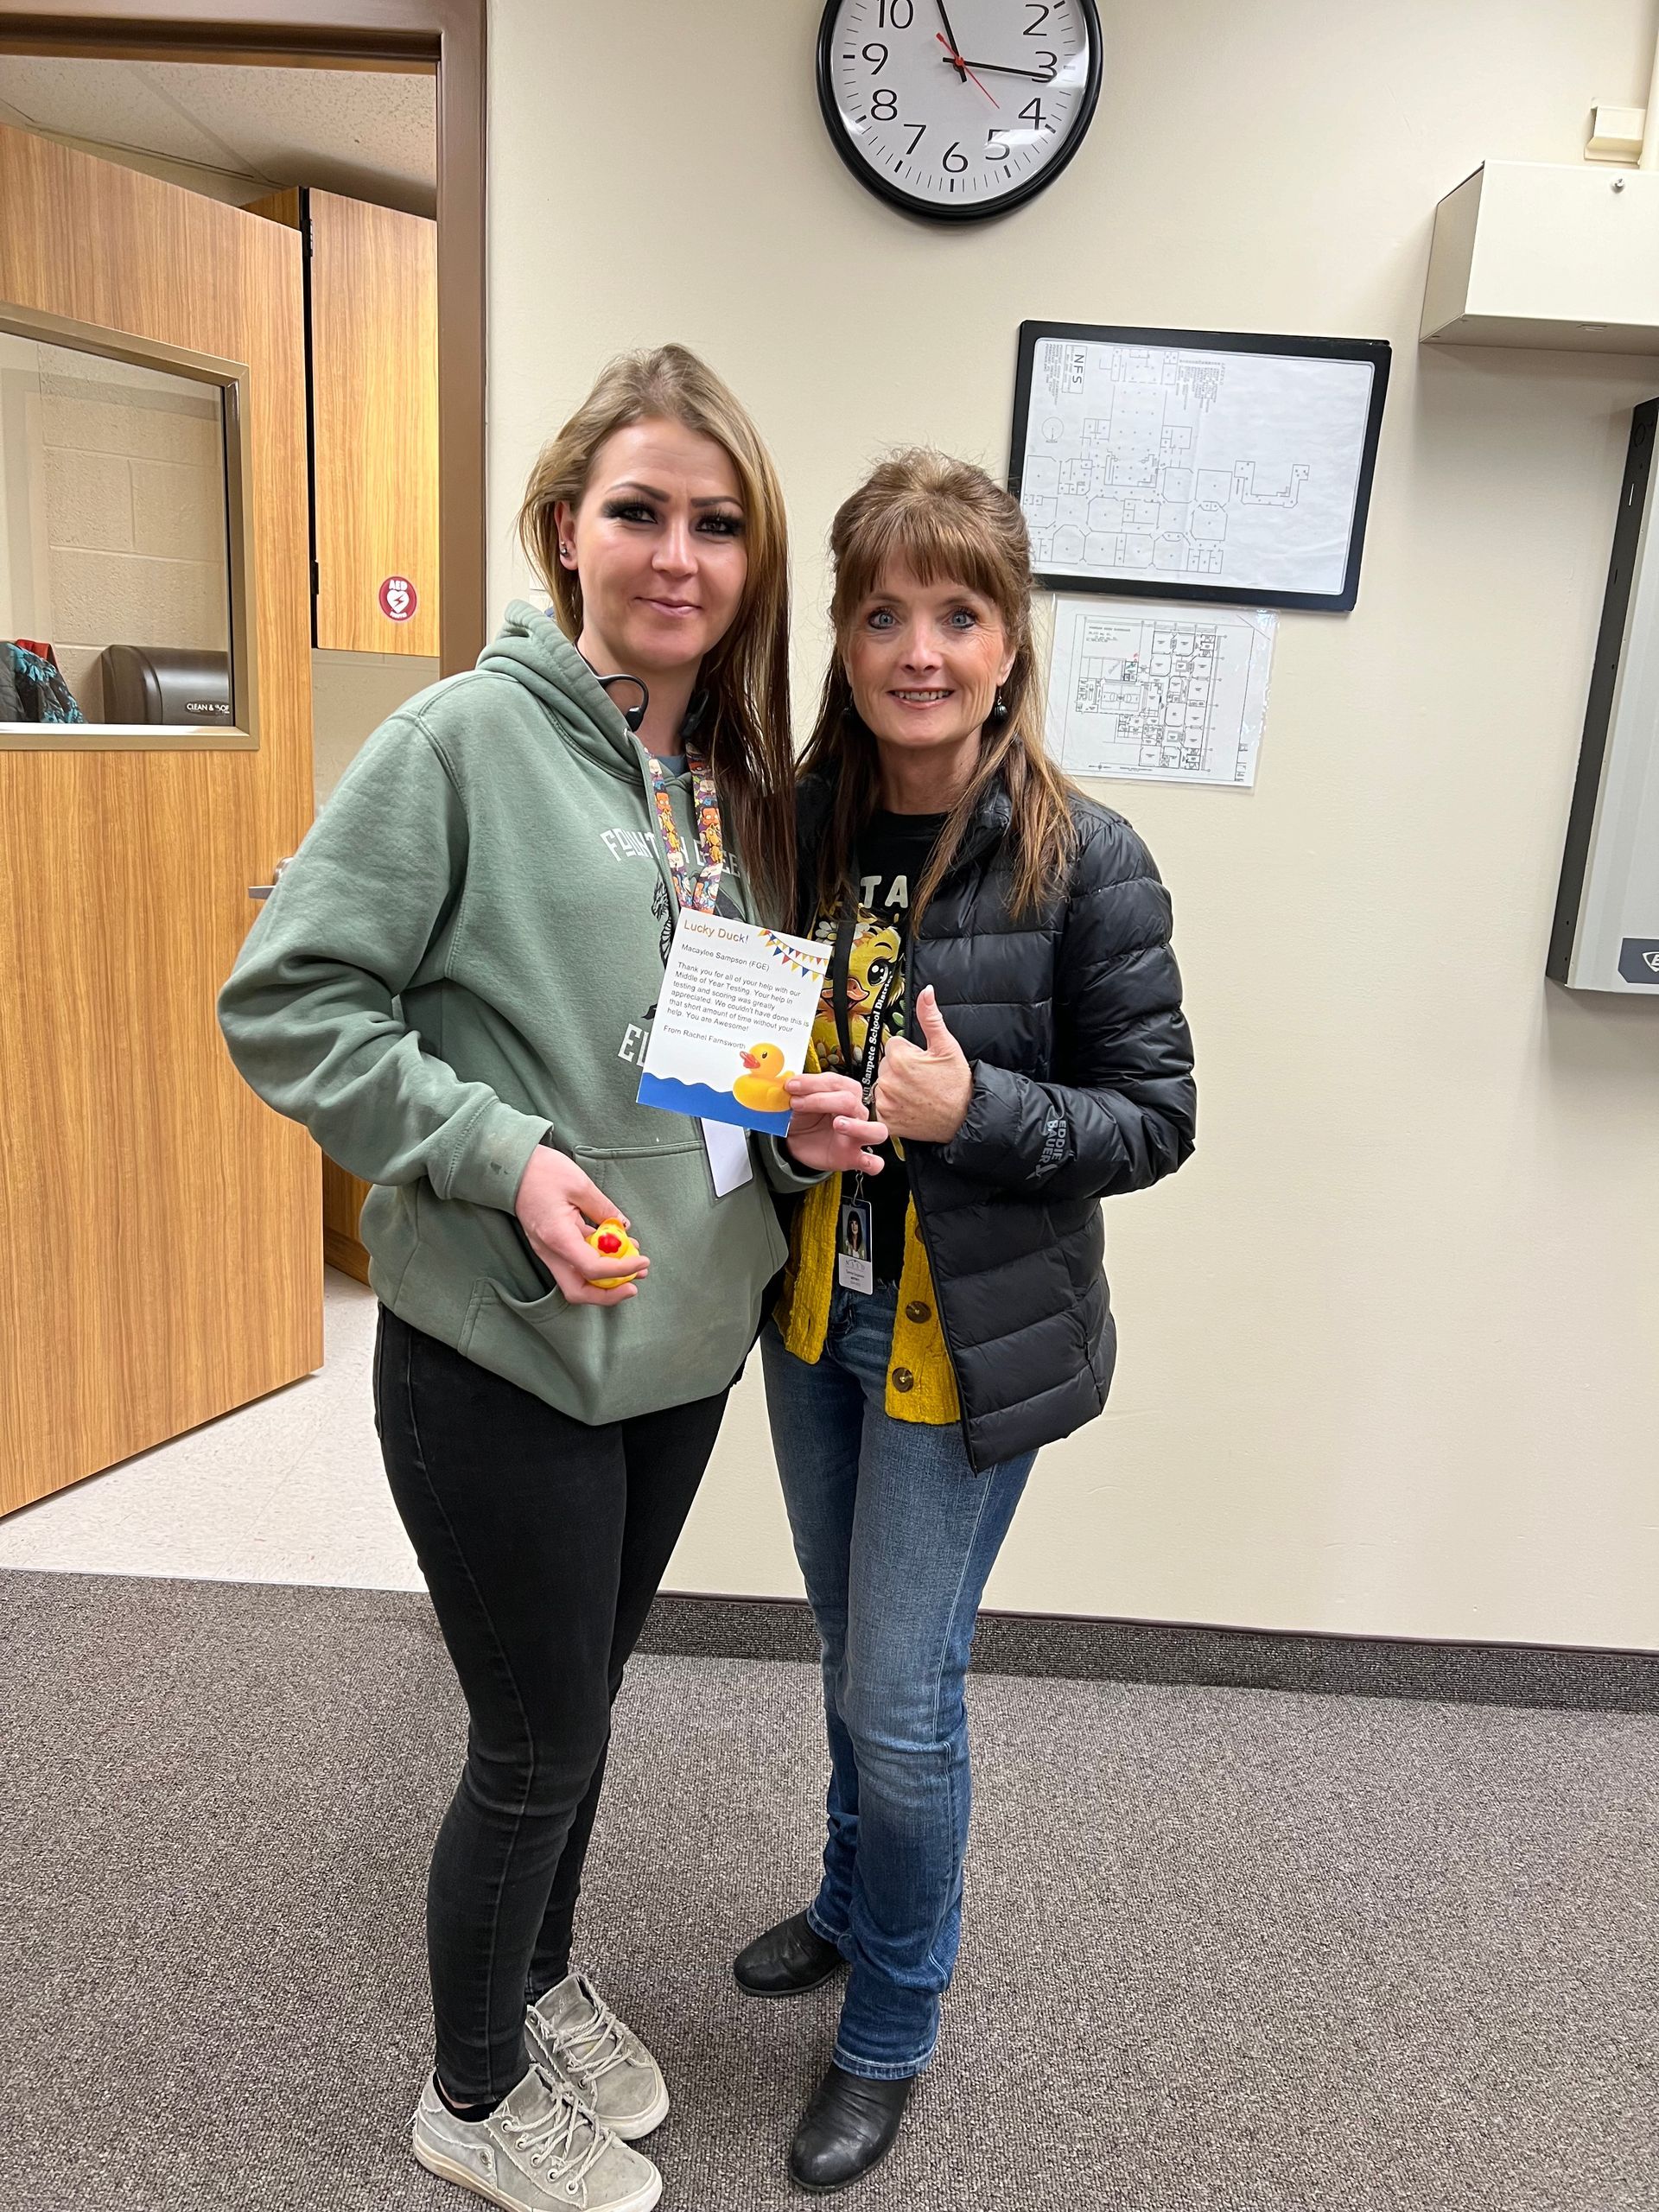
(1549, 254)
(372, 353)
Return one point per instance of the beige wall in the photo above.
(351, 694)
(1391, 1341)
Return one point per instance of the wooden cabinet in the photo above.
(371, 314)
(342, 1206)
(372, 363)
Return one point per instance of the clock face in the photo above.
(958, 109)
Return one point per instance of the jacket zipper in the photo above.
(911, 997)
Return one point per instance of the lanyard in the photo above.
(699, 892)
(840, 964)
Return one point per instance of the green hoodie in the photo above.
(467, 952)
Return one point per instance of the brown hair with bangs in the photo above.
(943, 521)
(747, 730)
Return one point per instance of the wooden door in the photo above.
(373, 294)
(160, 1239)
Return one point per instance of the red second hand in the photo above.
(959, 63)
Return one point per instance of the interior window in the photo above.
(115, 570)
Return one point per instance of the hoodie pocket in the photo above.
(686, 1334)
(545, 1304)
(481, 1292)
(643, 1180)
(634, 1151)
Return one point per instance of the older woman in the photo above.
(1002, 986)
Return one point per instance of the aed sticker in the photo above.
(398, 599)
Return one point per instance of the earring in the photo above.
(1000, 712)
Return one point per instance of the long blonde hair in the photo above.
(946, 522)
(746, 728)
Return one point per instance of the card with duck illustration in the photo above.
(733, 1022)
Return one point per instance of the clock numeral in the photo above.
(995, 146)
(877, 57)
(1049, 62)
(889, 113)
(920, 129)
(955, 160)
(901, 14)
(1033, 113)
(1042, 14)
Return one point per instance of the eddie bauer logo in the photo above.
(1638, 960)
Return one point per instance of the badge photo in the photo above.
(854, 1234)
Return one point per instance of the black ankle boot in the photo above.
(787, 1961)
(848, 2127)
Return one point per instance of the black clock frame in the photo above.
(925, 211)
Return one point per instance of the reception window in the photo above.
(123, 561)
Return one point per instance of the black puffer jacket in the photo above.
(1082, 1087)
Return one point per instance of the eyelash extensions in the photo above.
(721, 525)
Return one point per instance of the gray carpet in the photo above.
(1228, 1951)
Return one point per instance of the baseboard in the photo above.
(1175, 1652)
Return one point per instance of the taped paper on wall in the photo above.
(1150, 693)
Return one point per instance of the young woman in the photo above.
(1002, 986)
(451, 987)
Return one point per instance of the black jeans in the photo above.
(543, 1541)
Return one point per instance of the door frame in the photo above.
(447, 35)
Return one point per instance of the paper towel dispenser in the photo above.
(166, 683)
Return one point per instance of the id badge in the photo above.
(854, 1260)
(729, 1163)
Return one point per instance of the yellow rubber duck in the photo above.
(615, 1242)
(762, 1087)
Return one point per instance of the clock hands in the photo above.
(965, 69)
(1002, 69)
(950, 41)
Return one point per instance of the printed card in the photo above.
(733, 1020)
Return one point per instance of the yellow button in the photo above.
(916, 1311)
(903, 1379)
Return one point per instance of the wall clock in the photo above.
(958, 109)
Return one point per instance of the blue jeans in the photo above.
(896, 1535)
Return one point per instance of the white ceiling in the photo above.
(236, 132)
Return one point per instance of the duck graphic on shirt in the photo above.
(874, 989)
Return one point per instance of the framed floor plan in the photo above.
(1193, 464)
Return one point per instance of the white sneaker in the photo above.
(576, 2035)
(541, 2149)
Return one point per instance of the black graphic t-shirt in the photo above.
(892, 856)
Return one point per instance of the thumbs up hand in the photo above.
(925, 1093)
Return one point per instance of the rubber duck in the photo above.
(762, 1087)
(615, 1242)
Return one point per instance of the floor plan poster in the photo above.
(1159, 693)
(1235, 476)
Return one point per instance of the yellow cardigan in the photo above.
(921, 1383)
